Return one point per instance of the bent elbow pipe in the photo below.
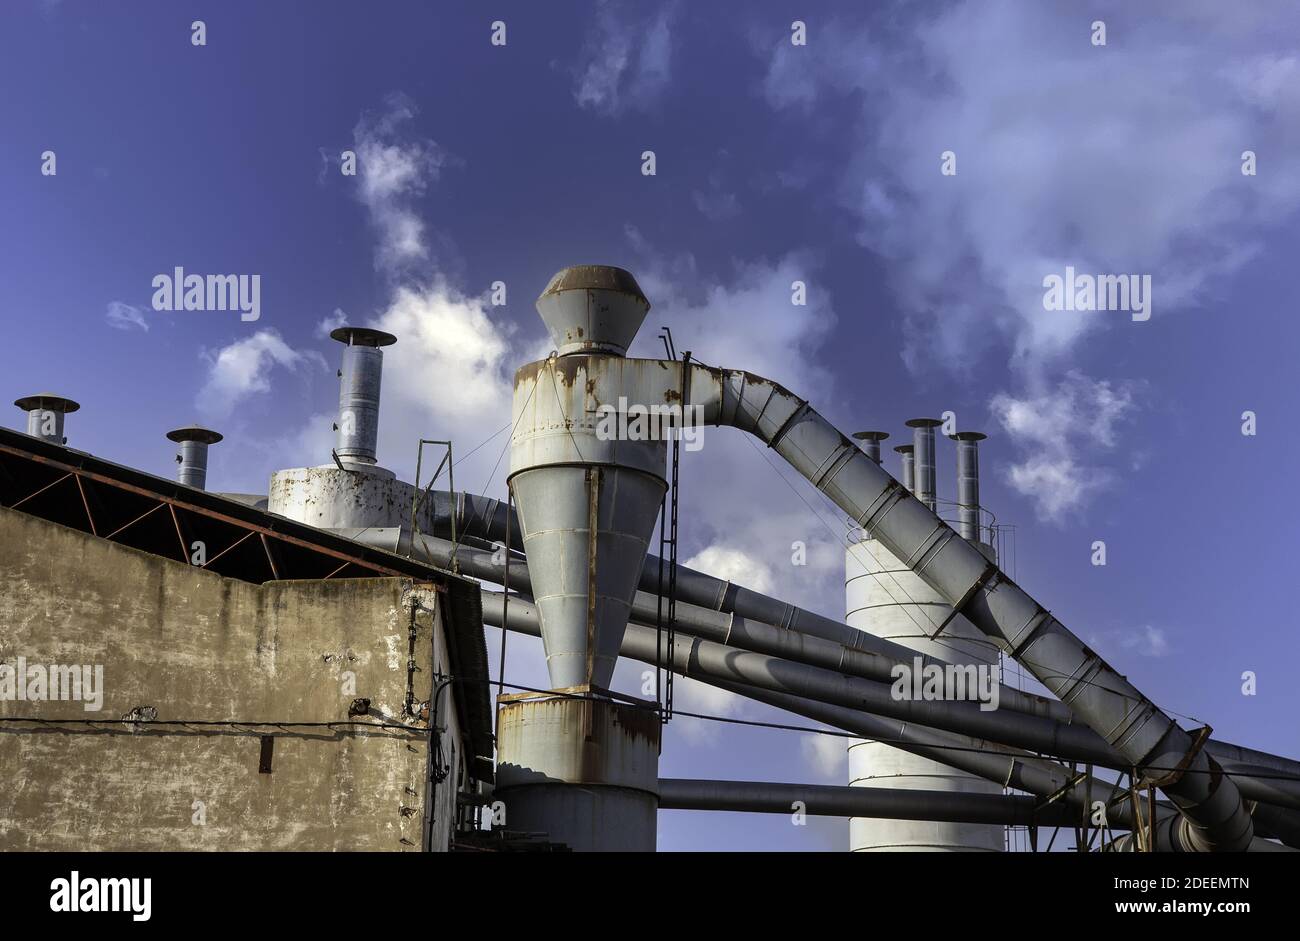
(1014, 621)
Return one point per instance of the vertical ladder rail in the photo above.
(666, 620)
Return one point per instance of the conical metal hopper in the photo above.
(587, 506)
(586, 531)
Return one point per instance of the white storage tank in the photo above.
(885, 598)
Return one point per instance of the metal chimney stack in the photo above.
(923, 442)
(968, 482)
(909, 466)
(193, 456)
(363, 366)
(45, 413)
(871, 442)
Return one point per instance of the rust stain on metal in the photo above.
(639, 722)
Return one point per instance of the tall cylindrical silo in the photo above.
(885, 598)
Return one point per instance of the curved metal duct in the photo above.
(1214, 816)
(1105, 700)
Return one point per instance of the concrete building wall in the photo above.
(196, 646)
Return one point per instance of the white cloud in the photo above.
(693, 696)
(744, 515)
(244, 368)
(1122, 159)
(1055, 428)
(826, 754)
(715, 204)
(126, 316)
(626, 58)
(448, 376)
(392, 172)
(330, 322)
(1147, 641)
(734, 565)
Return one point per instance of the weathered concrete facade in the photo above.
(201, 648)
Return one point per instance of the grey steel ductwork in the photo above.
(359, 382)
(582, 384)
(1214, 818)
(956, 569)
(1260, 775)
(1007, 766)
(192, 461)
(908, 457)
(926, 488)
(968, 482)
(872, 658)
(828, 801)
(45, 413)
(871, 442)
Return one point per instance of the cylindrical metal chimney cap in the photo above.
(871, 442)
(593, 309)
(595, 278)
(195, 433)
(923, 423)
(362, 336)
(47, 400)
(968, 436)
(904, 448)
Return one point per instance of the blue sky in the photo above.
(775, 162)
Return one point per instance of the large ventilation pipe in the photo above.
(359, 380)
(871, 442)
(724, 627)
(908, 457)
(486, 518)
(192, 461)
(820, 800)
(923, 444)
(1000, 764)
(1214, 817)
(959, 571)
(45, 413)
(968, 482)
